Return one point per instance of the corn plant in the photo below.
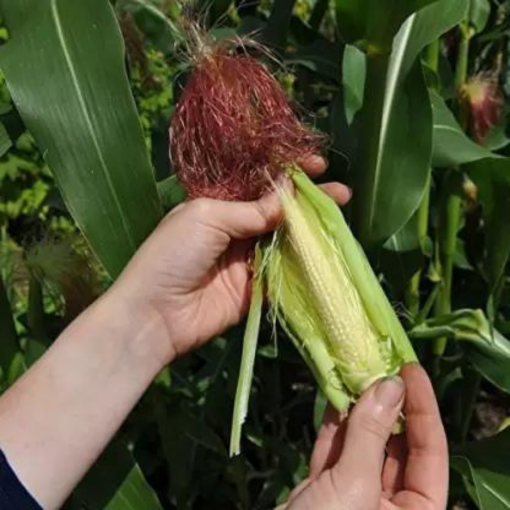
(412, 97)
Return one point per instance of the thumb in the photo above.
(369, 428)
(242, 220)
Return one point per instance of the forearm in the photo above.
(56, 420)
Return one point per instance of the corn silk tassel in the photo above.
(232, 135)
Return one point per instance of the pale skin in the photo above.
(189, 282)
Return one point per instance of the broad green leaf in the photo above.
(460, 466)
(250, 341)
(479, 12)
(452, 147)
(372, 24)
(5, 140)
(428, 25)
(486, 348)
(492, 178)
(497, 138)
(116, 482)
(485, 465)
(64, 66)
(388, 152)
(353, 80)
(394, 150)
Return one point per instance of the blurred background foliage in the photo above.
(416, 108)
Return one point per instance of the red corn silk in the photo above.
(234, 130)
(484, 101)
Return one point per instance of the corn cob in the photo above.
(330, 304)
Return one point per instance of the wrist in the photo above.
(143, 329)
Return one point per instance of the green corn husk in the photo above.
(325, 295)
(323, 292)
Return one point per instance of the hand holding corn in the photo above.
(357, 466)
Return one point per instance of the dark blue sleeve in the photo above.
(13, 495)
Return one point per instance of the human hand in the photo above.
(349, 468)
(191, 277)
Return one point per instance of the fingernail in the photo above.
(390, 391)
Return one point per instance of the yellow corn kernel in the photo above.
(351, 339)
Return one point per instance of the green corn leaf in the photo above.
(485, 347)
(373, 24)
(397, 136)
(64, 66)
(428, 25)
(250, 342)
(478, 15)
(452, 147)
(486, 471)
(492, 178)
(353, 80)
(396, 128)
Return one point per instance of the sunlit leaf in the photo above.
(64, 66)
(393, 156)
(428, 25)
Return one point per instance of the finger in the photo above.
(340, 193)
(394, 466)
(426, 473)
(313, 165)
(368, 429)
(298, 490)
(328, 445)
(239, 220)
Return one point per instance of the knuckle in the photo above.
(373, 426)
(202, 207)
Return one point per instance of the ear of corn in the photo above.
(324, 293)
